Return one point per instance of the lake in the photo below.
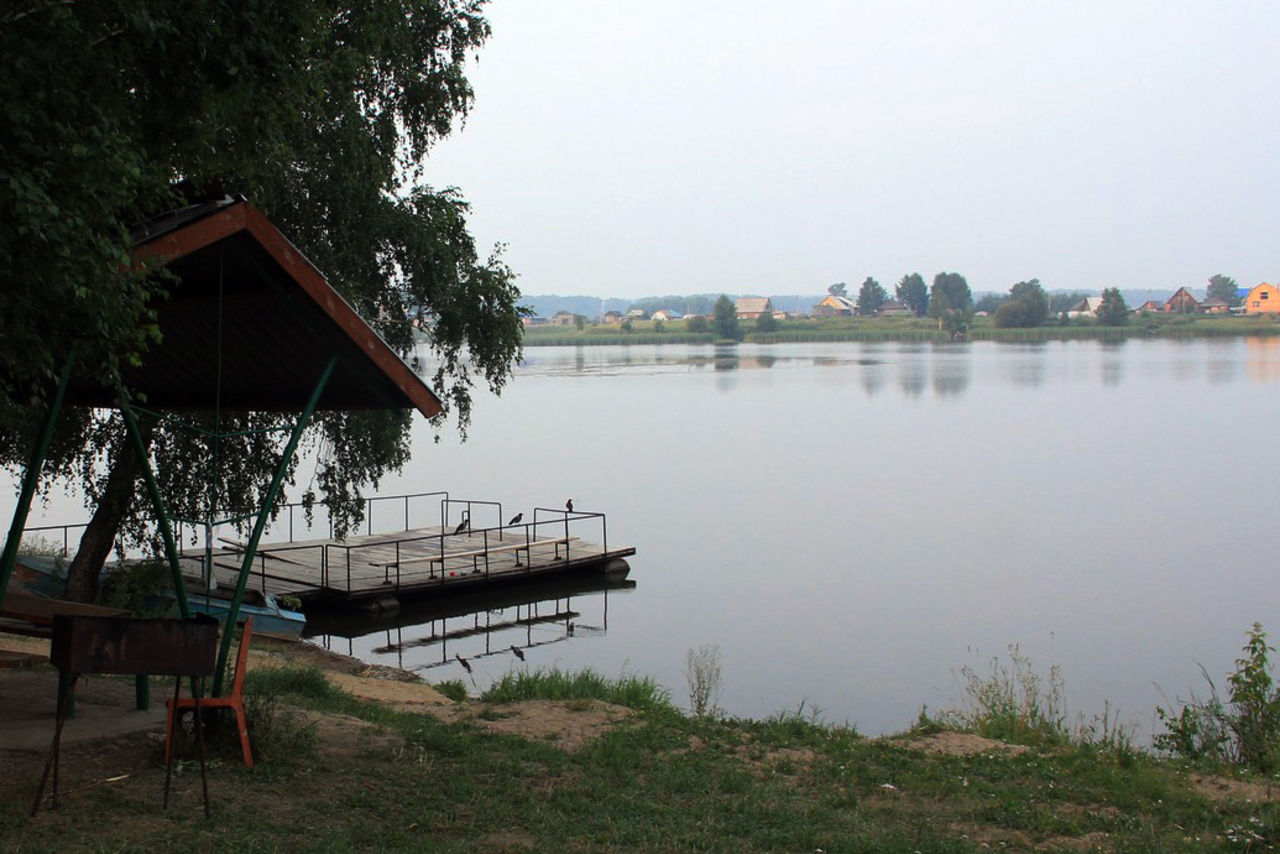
(851, 524)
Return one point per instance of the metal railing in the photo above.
(337, 559)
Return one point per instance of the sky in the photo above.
(626, 149)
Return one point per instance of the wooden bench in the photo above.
(23, 613)
(476, 553)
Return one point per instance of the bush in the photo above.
(1247, 731)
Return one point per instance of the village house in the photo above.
(613, 318)
(893, 308)
(1087, 307)
(562, 318)
(749, 308)
(637, 314)
(1149, 306)
(665, 314)
(1213, 305)
(835, 306)
(1262, 299)
(1182, 302)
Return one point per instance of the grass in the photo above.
(659, 781)
(813, 329)
(635, 692)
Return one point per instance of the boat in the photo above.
(45, 575)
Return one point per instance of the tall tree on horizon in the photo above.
(726, 320)
(913, 293)
(870, 297)
(1224, 288)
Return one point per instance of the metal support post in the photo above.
(157, 502)
(29, 479)
(251, 547)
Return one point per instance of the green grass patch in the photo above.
(387, 780)
(636, 692)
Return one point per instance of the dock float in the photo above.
(378, 571)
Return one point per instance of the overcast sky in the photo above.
(678, 146)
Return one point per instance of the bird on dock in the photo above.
(568, 505)
(519, 653)
(515, 520)
(466, 665)
(463, 525)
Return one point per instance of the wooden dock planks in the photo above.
(413, 561)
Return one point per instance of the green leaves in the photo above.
(322, 113)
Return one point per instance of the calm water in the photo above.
(851, 524)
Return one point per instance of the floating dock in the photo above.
(380, 570)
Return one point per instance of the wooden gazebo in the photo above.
(249, 324)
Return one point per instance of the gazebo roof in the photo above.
(250, 324)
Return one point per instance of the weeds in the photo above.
(632, 691)
(454, 689)
(1247, 732)
(702, 673)
(308, 682)
(1016, 704)
(1012, 702)
(138, 588)
(39, 546)
(273, 732)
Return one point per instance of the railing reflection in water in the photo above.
(454, 633)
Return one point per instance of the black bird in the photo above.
(465, 665)
(515, 520)
(518, 652)
(568, 505)
(462, 526)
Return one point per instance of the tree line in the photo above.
(1027, 304)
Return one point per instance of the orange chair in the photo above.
(233, 701)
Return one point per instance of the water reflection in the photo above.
(951, 369)
(450, 633)
(1262, 359)
(1112, 362)
(1026, 367)
(947, 369)
(873, 377)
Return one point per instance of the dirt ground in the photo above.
(105, 707)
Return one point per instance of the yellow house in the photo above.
(1262, 299)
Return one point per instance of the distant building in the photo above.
(637, 314)
(893, 308)
(1213, 305)
(1262, 299)
(613, 318)
(665, 314)
(528, 322)
(834, 306)
(1149, 306)
(562, 318)
(749, 308)
(1087, 307)
(1182, 302)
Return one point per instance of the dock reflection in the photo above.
(461, 628)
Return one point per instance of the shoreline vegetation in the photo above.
(351, 757)
(874, 329)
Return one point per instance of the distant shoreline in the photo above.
(1204, 328)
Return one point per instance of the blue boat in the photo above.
(46, 576)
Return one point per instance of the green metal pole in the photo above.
(251, 547)
(162, 516)
(29, 479)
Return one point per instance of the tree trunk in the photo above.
(113, 506)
